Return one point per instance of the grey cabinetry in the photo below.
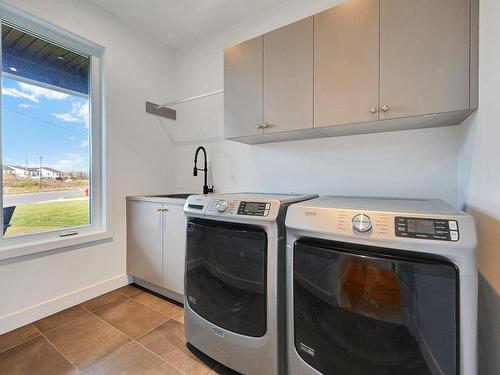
(424, 57)
(364, 66)
(288, 77)
(144, 241)
(346, 64)
(174, 247)
(156, 244)
(243, 88)
(268, 82)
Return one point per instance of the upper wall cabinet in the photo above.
(288, 77)
(243, 88)
(424, 57)
(364, 66)
(266, 77)
(346, 64)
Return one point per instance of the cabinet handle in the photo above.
(158, 209)
(262, 126)
(162, 209)
(385, 108)
(373, 110)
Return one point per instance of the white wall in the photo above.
(479, 185)
(418, 163)
(479, 170)
(140, 160)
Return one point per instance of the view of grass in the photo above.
(73, 196)
(47, 216)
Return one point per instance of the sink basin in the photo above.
(179, 196)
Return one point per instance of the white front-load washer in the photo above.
(235, 279)
(380, 286)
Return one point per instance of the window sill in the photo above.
(22, 247)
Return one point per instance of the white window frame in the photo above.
(99, 230)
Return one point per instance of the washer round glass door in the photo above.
(359, 312)
(226, 275)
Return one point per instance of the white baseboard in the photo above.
(33, 313)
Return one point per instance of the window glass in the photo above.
(45, 135)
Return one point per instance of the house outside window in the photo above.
(52, 134)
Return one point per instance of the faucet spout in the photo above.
(206, 189)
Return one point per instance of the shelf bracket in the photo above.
(161, 111)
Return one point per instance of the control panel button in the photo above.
(221, 206)
(453, 225)
(454, 235)
(362, 223)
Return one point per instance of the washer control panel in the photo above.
(429, 229)
(222, 206)
(254, 208)
(233, 207)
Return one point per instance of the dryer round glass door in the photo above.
(359, 313)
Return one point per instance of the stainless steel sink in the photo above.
(178, 196)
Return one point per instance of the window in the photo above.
(51, 132)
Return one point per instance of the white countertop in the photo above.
(157, 199)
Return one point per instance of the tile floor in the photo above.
(126, 331)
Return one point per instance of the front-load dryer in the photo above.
(380, 286)
(235, 279)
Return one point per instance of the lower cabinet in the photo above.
(173, 247)
(156, 243)
(144, 241)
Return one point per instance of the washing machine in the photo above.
(234, 307)
(380, 286)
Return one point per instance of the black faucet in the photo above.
(206, 189)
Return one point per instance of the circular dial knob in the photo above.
(221, 206)
(361, 223)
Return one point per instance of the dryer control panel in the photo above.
(430, 229)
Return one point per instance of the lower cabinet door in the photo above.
(144, 243)
(174, 247)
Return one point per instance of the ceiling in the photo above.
(177, 23)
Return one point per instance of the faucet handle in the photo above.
(207, 190)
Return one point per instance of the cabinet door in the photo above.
(243, 88)
(424, 56)
(346, 63)
(174, 247)
(288, 77)
(144, 250)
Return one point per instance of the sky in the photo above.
(40, 122)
